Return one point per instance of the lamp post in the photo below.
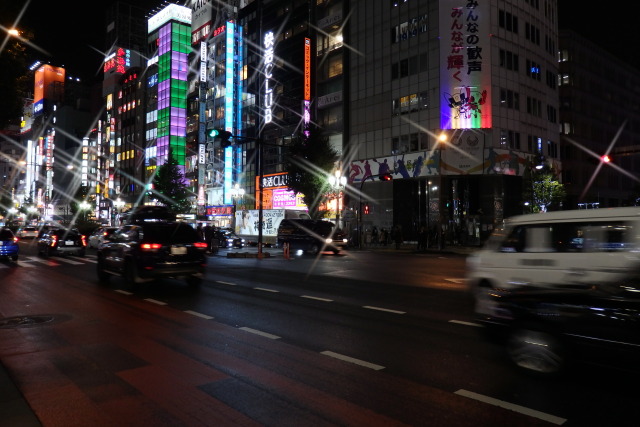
(338, 182)
(442, 140)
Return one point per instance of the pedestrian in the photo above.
(397, 236)
(422, 239)
(200, 231)
(208, 234)
(374, 235)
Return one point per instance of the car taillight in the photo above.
(200, 245)
(15, 239)
(84, 240)
(150, 246)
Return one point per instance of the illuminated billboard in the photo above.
(45, 77)
(465, 58)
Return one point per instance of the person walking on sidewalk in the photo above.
(397, 235)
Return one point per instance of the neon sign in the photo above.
(268, 73)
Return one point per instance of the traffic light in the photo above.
(605, 158)
(386, 177)
(366, 209)
(222, 135)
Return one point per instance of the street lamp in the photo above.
(84, 206)
(338, 182)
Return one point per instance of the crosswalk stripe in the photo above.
(69, 261)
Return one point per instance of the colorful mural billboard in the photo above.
(465, 55)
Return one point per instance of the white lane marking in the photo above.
(155, 301)
(195, 313)
(69, 261)
(88, 260)
(462, 322)
(455, 280)
(352, 360)
(266, 290)
(316, 298)
(512, 407)
(370, 307)
(124, 292)
(226, 283)
(257, 332)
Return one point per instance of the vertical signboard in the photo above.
(465, 58)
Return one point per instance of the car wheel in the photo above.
(82, 253)
(103, 276)
(314, 249)
(14, 258)
(130, 274)
(536, 351)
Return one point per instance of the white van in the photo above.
(564, 248)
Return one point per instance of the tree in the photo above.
(309, 162)
(169, 186)
(542, 190)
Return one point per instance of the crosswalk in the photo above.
(55, 261)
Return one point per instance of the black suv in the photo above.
(61, 241)
(310, 236)
(152, 248)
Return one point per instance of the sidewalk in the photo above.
(14, 409)
(407, 247)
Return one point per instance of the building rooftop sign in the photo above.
(172, 12)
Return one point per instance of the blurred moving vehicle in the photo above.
(62, 241)
(27, 233)
(151, 247)
(9, 247)
(99, 236)
(310, 236)
(227, 238)
(564, 248)
(545, 330)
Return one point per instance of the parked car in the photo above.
(150, 249)
(99, 236)
(9, 247)
(27, 233)
(62, 241)
(310, 236)
(546, 330)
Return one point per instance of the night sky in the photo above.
(69, 29)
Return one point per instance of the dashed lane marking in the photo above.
(316, 298)
(462, 322)
(226, 283)
(257, 332)
(155, 301)
(513, 407)
(370, 307)
(353, 360)
(195, 313)
(266, 290)
(124, 292)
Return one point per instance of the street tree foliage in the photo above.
(309, 161)
(542, 189)
(169, 187)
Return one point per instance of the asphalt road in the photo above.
(367, 337)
